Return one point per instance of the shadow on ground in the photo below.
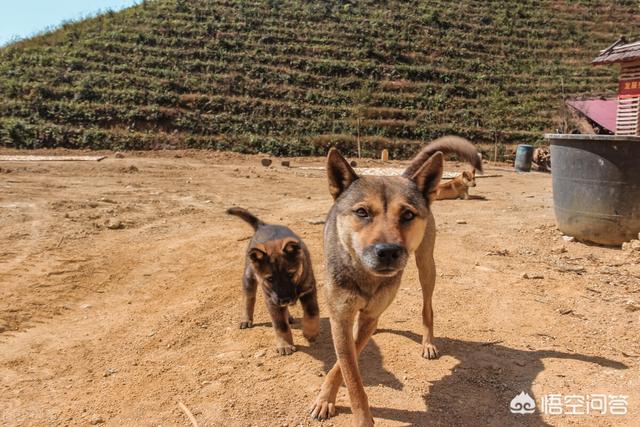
(478, 389)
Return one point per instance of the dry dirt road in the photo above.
(117, 325)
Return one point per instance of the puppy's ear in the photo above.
(256, 255)
(339, 172)
(428, 176)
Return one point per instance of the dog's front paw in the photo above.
(246, 324)
(366, 421)
(429, 351)
(322, 409)
(285, 349)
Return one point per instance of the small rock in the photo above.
(633, 245)
(520, 363)
(260, 353)
(119, 155)
(130, 169)
(316, 221)
(96, 419)
(498, 252)
(571, 268)
(558, 249)
(86, 306)
(564, 311)
(114, 224)
(109, 372)
(532, 276)
(461, 221)
(568, 238)
(285, 163)
(353, 164)
(631, 307)
(266, 162)
(385, 155)
(105, 200)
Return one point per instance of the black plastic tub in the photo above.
(596, 186)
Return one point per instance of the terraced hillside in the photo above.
(294, 76)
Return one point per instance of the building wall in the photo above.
(628, 99)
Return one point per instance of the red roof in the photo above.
(601, 111)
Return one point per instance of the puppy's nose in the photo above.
(388, 251)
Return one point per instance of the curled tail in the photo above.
(246, 216)
(446, 144)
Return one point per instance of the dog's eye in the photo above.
(269, 279)
(408, 215)
(362, 212)
(290, 275)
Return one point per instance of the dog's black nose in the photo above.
(388, 252)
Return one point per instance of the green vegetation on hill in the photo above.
(292, 77)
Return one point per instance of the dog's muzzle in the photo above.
(385, 259)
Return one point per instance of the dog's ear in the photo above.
(428, 176)
(256, 255)
(339, 172)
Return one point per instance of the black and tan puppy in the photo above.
(280, 263)
(375, 224)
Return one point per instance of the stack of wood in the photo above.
(542, 159)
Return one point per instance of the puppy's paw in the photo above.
(285, 349)
(246, 324)
(322, 409)
(311, 336)
(429, 351)
(311, 328)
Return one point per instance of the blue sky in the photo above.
(23, 18)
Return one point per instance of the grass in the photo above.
(293, 77)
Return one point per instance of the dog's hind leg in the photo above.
(324, 406)
(427, 273)
(249, 286)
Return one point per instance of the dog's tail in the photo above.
(446, 144)
(246, 216)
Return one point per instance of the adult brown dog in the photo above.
(371, 230)
(279, 261)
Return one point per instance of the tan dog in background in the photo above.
(458, 187)
(373, 227)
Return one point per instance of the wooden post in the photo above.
(358, 138)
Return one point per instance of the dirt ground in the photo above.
(120, 297)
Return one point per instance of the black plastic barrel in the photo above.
(524, 156)
(596, 186)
